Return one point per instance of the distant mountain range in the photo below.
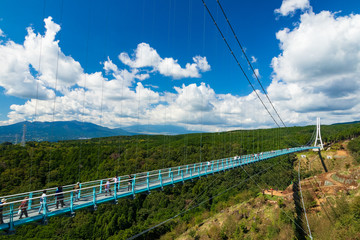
(158, 129)
(56, 131)
(346, 123)
(71, 130)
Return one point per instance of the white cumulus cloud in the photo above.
(145, 56)
(316, 74)
(253, 59)
(318, 71)
(290, 6)
(29, 72)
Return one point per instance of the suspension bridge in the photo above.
(92, 193)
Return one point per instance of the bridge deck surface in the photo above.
(94, 192)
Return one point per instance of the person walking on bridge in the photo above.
(43, 202)
(77, 193)
(107, 187)
(3, 201)
(59, 197)
(130, 183)
(116, 180)
(23, 207)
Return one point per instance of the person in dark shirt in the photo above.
(59, 197)
(23, 207)
(130, 183)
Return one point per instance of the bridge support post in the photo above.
(172, 178)
(187, 169)
(94, 197)
(178, 170)
(147, 182)
(45, 211)
(11, 223)
(191, 175)
(160, 178)
(119, 183)
(133, 186)
(318, 135)
(199, 172)
(101, 183)
(30, 200)
(115, 192)
(79, 196)
(169, 172)
(72, 203)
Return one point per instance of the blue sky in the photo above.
(76, 66)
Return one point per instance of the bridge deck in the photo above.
(94, 192)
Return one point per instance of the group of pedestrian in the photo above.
(60, 197)
(116, 184)
(43, 205)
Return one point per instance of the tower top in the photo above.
(318, 135)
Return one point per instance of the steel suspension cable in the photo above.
(312, 137)
(102, 86)
(37, 97)
(302, 200)
(249, 63)
(55, 87)
(185, 211)
(238, 63)
(84, 87)
(251, 177)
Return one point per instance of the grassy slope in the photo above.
(264, 217)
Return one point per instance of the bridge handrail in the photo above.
(104, 179)
(166, 174)
(142, 175)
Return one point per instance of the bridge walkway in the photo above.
(93, 193)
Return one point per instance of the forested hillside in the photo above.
(45, 164)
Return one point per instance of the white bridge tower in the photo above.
(318, 135)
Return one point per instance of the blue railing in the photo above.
(96, 192)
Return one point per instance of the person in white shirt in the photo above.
(42, 199)
(115, 179)
(107, 187)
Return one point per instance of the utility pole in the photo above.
(23, 136)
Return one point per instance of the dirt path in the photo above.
(325, 180)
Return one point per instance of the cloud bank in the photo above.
(58, 88)
(315, 74)
(318, 70)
